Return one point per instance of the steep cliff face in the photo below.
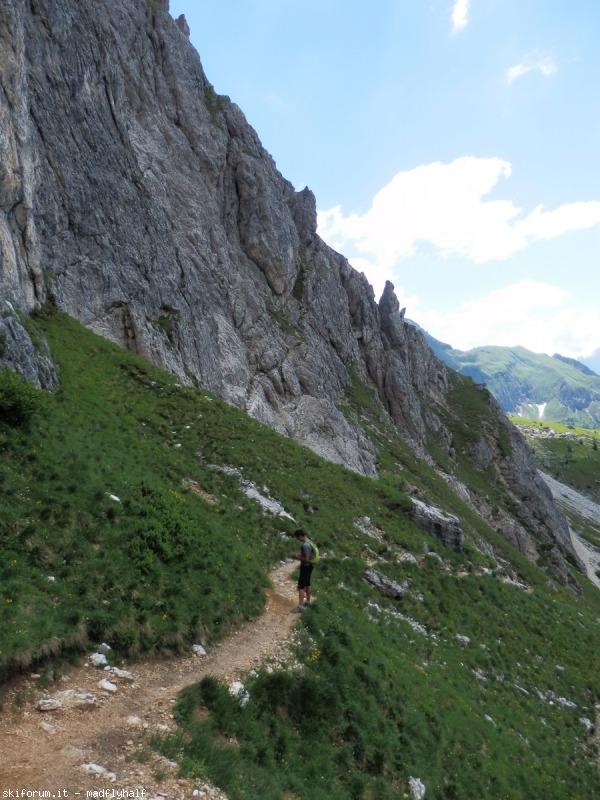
(143, 204)
(531, 523)
(139, 201)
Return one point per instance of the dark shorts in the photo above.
(305, 573)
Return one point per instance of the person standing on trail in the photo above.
(305, 557)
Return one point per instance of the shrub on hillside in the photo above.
(19, 399)
(162, 527)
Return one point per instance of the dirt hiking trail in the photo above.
(102, 747)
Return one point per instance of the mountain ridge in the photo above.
(533, 385)
(577, 364)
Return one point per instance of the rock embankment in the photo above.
(583, 507)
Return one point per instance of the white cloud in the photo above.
(539, 316)
(532, 62)
(445, 206)
(460, 15)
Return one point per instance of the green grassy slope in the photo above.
(480, 681)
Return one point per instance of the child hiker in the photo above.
(306, 557)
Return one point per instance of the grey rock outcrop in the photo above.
(69, 698)
(143, 204)
(139, 201)
(31, 359)
(437, 523)
(530, 520)
(385, 586)
(534, 519)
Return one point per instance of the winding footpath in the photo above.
(101, 749)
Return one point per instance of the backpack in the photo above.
(314, 559)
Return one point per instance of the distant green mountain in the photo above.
(533, 385)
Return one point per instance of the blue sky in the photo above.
(452, 145)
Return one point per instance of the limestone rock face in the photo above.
(385, 586)
(439, 524)
(18, 351)
(139, 201)
(142, 203)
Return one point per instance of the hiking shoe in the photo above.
(298, 610)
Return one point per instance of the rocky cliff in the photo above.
(139, 201)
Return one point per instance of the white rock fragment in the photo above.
(69, 698)
(463, 639)
(107, 686)
(367, 526)
(98, 660)
(417, 788)
(237, 689)
(435, 556)
(78, 699)
(552, 699)
(120, 673)
(267, 503)
(198, 650)
(93, 769)
(48, 704)
(114, 498)
(251, 490)
(407, 558)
